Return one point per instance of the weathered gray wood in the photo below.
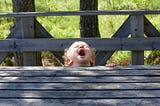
(81, 73)
(122, 32)
(102, 55)
(97, 68)
(15, 33)
(27, 31)
(3, 56)
(77, 86)
(80, 102)
(77, 102)
(72, 86)
(102, 44)
(74, 13)
(112, 79)
(42, 33)
(149, 29)
(137, 30)
(79, 94)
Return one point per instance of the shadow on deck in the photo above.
(80, 86)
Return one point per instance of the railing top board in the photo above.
(75, 13)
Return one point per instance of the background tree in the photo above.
(89, 23)
(23, 6)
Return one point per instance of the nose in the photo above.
(81, 46)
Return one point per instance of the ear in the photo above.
(69, 62)
(92, 61)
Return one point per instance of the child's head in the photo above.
(79, 54)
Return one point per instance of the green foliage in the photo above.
(56, 5)
(48, 59)
(8, 61)
(120, 58)
(5, 23)
(153, 58)
(130, 4)
(6, 6)
(59, 26)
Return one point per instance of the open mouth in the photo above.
(81, 52)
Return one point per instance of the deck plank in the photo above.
(87, 86)
(80, 86)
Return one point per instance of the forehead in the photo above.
(79, 43)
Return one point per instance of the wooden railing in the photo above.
(21, 37)
(73, 86)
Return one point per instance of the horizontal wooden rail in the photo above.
(74, 13)
(100, 44)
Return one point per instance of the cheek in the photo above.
(89, 54)
(72, 54)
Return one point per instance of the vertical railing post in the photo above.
(137, 30)
(27, 31)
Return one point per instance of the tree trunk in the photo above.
(23, 6)
(20, 58)
(89, 24)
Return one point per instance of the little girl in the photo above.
(79, 54)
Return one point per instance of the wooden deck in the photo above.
(80, 86)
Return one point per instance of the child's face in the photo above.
(79, 53)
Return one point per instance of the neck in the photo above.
(81, 64)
